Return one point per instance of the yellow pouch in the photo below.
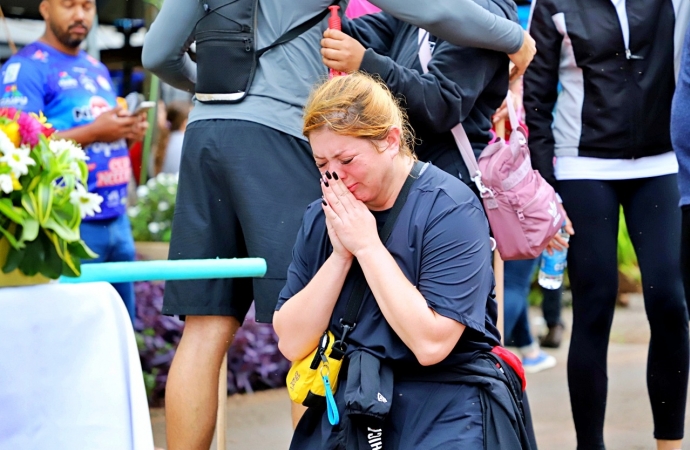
(305, 379)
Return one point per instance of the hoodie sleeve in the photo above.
(461, 22)
(374, 31)
(541, 89)
(443, 97)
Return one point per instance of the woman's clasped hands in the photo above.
(351, 226)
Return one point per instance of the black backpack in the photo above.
(226, 53)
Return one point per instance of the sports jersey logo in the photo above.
(65, 81)
(97, 105)
(11, 73)
(12, 97)
(40, 55)
(118, 173)
(107, 148)
(88, 84)
(113, 199)
(102, 82)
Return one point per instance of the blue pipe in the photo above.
(184, 269)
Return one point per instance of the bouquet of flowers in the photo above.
(42, 197)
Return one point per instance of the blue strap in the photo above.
(331, 407)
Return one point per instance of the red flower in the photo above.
(47, 131)
(10, 113)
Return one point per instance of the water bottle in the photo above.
(552, 266)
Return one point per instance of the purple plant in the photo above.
(254, 361)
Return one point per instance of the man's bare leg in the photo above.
(191, 395)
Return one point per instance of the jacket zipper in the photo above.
(629, 55)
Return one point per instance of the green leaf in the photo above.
(29, 230)
(29, 204)
(15, 214)
(71, 268)
(44, 198)
(71, 264)
(34, 184)
(84, 169)
(14, 258)
(81, 250)
(13, 242)
(33, 258)
(68, 215)
(61, 229)
(52, 264)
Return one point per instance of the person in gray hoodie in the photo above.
(247, 175)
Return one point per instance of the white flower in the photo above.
(88, 203)
(154, 227)
(133, 211)
(142, 191)
(6, 145)
(6, 184)
(18, 160)
(58, 146)
(151, 183)
(163, 206)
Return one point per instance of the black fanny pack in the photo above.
(368, 399)
(226, 53)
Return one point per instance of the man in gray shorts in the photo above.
(247, 175)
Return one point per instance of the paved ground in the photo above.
(262, 421)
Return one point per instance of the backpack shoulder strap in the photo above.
(296, 31)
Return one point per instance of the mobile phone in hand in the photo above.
(143, 106)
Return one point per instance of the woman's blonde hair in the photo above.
(360, 106)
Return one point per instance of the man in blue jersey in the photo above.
(74, 91)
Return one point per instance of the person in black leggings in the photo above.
(653, 218)
(608, 128)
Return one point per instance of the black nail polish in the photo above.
(335, 176)
(328, 175)
(324, 202)
(325, 183)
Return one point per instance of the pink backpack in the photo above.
(522, 207)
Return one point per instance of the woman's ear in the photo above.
(393, 141)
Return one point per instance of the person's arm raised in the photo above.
(465, 23)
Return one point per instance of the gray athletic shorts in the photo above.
(242, 192)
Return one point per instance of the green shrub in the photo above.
(152, 216)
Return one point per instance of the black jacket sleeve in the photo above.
(374, 31)
(541, 89)
(445, 95)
